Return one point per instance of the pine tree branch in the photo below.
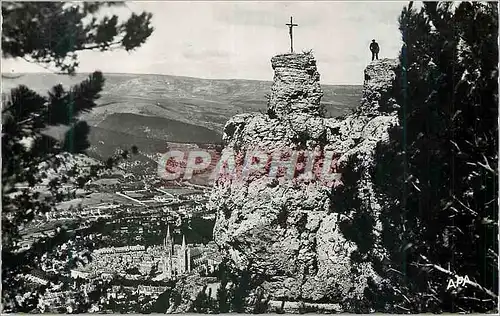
(476, 299)
(38, 64)
(486, 165)
(493, 253)
(403, 308)
(466, 207)
(401, 293)
(448, 272)
(28, 120)
(96, 46)
(394, 270)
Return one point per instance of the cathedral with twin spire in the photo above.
(176, 259)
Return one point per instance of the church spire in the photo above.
(168, 243)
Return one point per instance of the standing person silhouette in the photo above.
(374, 48)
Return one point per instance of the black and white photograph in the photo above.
(254, 157)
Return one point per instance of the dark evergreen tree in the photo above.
(439, 172)
(49, 33)
(162, 303)
(242, 287)
(223, 295)
(261, 305)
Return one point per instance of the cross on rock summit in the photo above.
(290, 27)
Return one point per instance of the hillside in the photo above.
(150, 110)
(203, 102)
(159, 128)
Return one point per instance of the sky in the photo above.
(236, 40)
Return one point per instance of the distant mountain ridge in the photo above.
(152, 109)
(218, 99)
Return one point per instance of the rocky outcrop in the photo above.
(296, 88)
(184, 293)
(287, 232)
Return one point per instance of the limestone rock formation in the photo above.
(287, 232)
(184, 294)
(296, 88)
